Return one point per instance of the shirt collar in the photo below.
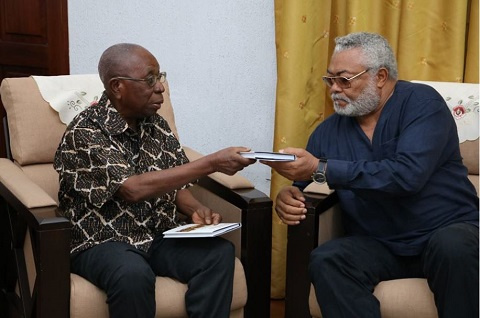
(115, 123)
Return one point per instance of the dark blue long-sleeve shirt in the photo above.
(405, 183)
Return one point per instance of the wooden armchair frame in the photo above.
(50, 238)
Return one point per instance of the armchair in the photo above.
(400, 297)
(39, 280)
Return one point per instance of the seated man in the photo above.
(391, 152)
(123, 179)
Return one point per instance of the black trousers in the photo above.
(127, 275)
(345, 271)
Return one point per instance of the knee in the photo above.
(453, 244)
(133, 278)
(221, 246)
(131, 291)
(224, 251)
(321, 259)
(217, 256)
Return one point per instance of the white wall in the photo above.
(219, 56)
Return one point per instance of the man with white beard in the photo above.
(391, 152)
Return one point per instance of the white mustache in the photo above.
(336, 97)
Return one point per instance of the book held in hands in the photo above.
(268, 156)
(201, 230)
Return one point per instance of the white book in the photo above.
(201, 230)
(268, 156)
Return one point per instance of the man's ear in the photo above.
(382, 77)
(115, 86)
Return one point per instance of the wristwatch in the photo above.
(319, 176)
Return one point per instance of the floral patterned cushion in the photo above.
(462, 99)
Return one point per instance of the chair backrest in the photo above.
(35, 128)
(463, 101)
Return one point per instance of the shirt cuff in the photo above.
(337, 172)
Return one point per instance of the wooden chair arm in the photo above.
(50, 239)
(301, 240)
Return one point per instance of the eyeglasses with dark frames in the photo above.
(151, 80)
(341, 81)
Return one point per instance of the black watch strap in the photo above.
(319, 176)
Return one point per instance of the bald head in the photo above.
(117, 60)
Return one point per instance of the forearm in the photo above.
(156, 183)
(401, 175)
(186, 202)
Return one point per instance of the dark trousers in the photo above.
(127, 275)
(345, 271)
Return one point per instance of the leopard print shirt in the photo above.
(98, 152)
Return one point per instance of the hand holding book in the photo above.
(301, 168)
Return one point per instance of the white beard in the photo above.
(365, 103)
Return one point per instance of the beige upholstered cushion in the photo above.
(410, 297)
(28, 192)
(469, 150)
(45, 176)
(35, 128)
(399, 298)
(87, 301)
(318, 188)
(166, 111)
(474, 179)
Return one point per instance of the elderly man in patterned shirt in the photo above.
(123, 179)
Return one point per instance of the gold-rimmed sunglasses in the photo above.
(341, 81)
(151, 80)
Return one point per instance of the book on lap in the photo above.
(201, 230)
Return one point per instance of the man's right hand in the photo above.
(300, 169)
(229, 161)
(290, 205)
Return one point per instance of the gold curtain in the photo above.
(435, 41)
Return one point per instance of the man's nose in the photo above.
(335, 88)
(159, 87)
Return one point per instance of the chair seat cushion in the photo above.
(475, 180)
(410, 297)
(88, 301)
(399, 298)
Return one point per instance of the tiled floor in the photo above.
(277, 308)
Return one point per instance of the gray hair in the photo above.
(377, 53)
(114, 61)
